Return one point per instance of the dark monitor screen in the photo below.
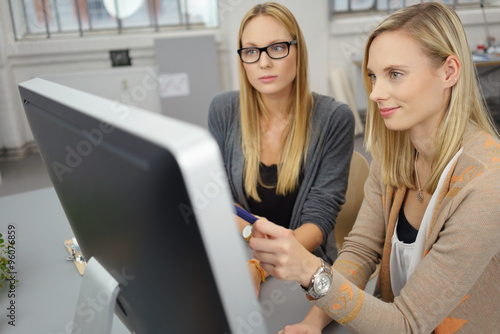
(146, 196)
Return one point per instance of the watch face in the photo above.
(247, 231)
(322, 283)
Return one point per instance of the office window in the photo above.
(48, 18)
(354, 6)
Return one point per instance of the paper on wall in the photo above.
(174, 84)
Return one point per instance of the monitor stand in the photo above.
(96, 303)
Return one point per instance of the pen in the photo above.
(243, 214)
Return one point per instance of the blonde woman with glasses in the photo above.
(432, 200)
(286, 150)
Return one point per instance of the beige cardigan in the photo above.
(456, 287)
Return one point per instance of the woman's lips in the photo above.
(386, 112)
(268, 78)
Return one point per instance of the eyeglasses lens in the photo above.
(275, 51)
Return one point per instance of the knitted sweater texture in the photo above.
(326, 170)
(455, 289)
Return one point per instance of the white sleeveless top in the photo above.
(406, 257)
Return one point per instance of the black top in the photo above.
(406, 232)
(275, 208)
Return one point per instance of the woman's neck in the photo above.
(277, 105)
(425, 143)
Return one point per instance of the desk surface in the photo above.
(486, 60)
(47, 292)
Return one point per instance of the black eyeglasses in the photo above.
(274, 51)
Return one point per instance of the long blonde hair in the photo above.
(439, 32)
(252, 108)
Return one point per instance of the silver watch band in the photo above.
(320, 282)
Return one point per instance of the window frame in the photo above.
(455, 4)
(21, 29)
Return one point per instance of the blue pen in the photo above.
(243, 214)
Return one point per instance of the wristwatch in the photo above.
(321, 281)
(247, 232)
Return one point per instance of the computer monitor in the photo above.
(147, 197)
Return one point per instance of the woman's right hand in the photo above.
(313, 323)
(300, 328)
(280, 254)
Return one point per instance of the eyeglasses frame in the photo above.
(264, 49)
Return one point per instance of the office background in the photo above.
(84, 62)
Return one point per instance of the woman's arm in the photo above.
(467, 245)
(327, 166)
(355, 252)
(309, 235)
(313, 323)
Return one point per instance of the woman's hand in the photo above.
(280, 254)
(313, 323)
(300, 328)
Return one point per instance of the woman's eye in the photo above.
(372, 77)
(250, 52)
(395, 75)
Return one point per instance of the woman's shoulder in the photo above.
(327, 108)
(226, 96)
(224, 103)
(481, 154)
(224, 99)
(328, 104)
(482, 146)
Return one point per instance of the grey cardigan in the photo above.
(322, 191)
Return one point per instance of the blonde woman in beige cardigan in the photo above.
(432, 200)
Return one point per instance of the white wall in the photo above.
(348, 35)
(12, 129)
(312, 17)
(84, 62)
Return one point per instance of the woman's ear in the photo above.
(452, 69)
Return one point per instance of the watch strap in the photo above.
(311, 293)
